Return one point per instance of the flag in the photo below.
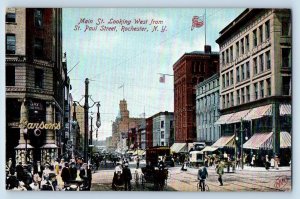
(197, 22)
(122, 86)
(162, 78)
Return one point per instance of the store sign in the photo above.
(42, 125)
(36, 106)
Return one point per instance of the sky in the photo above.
(133, 58)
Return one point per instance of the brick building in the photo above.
(191, 69)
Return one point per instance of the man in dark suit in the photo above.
(86, 175)
(127, 177)
(65, 174)
(38, 168)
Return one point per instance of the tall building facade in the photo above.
(163, 129)
(149, 132)
(191, 69)
(207, 110)
(36, 84)
(255, 74)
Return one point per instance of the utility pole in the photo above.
(276, 128)
(242, 140)
(91, 131)
(86, 117)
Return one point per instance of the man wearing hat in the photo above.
(73, 171)
(38, 168)
(86, 175)
(127, 177)
(65, 174)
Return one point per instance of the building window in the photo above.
(10, 44)
(238, 100)
(260, 34)
(232, 100)
(268, 59)
(10, 17)
(223, 99)
(242, 46)
(162, 124)
(285, 26)
(228, 101)
(231, 53)
(227, 79)
(162, 135)
(223, 80)
(38, 18)
(262, 93)
(247, 70)
(171, 124)
(286, 85)
(243, 95)
(243, 71)
(238, 74)
(237, 50)
(162, 143)
(248, 93)
(254, 38)
(223, 58)
(268, 87)
(38, 48)
(255, 66)
(39, 78)
(227, 56)
(267, 29)
(255, 91)
(247, 43)
(10, 76)
(261, 59)
(286, 56)
(231, 77)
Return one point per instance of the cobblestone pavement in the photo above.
(249, 179)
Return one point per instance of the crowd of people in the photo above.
(38, 176)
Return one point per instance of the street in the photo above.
(249, 179)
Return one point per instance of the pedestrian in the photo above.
(56, 167)
(137, 162)
(46, 172)
(252, 164)
(127, 177)
(10, 167)
(73, 171)
(19, 171)
(65, 174)
(86, 175)
(38, 169)
(202, 175)
(276, 162)
(35, 185)
(267, 162)
(220, 172)
(184, 167)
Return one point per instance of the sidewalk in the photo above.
(260, 169)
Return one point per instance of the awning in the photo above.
(259, 112)
(265, 141)
(285, 109)
(223, 119)
(179, 148)
(236, 117)
(285, 140)
(209, 148)
(259, 140)
(138, 152)
(225, 141)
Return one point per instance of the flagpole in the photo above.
(205, 24)
(123, 91)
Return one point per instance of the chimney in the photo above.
(207, 49)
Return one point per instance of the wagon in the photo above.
(157, 177)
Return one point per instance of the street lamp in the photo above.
(86, 111)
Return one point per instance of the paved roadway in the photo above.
(249, 179)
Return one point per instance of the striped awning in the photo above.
(265, 141)
(259, 140)
(285, 140)
(179, 148)
(285, 109)
(236, 117)
(225, 141)
(223, 119)
(259, 112)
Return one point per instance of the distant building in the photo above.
(149, 132)
(191, 69)
(207, 110)
(163, 128)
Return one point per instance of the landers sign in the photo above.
(42, 125)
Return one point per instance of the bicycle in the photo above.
(205, 185)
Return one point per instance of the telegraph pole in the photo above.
(86, 118)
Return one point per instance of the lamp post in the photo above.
(86, 107)
(25, 131)
(242, 131)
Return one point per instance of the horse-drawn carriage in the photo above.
(156, 176)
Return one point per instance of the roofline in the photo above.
(214, 53)
(213, 77)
